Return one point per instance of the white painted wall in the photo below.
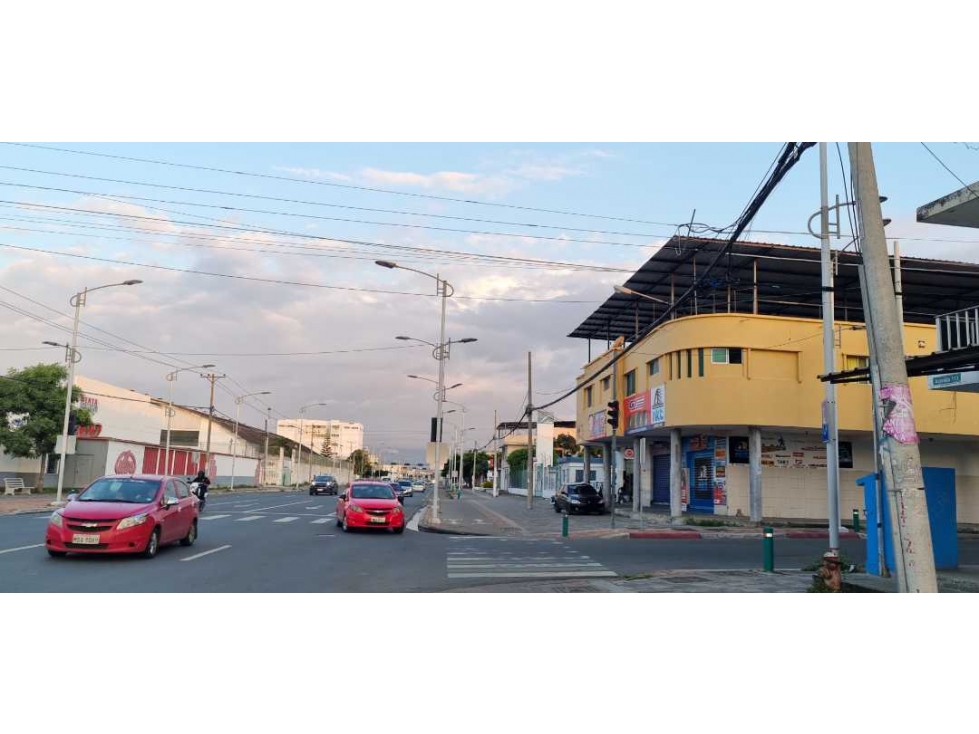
(125, 414)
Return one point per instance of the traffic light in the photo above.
(72, 424)
(613, 414)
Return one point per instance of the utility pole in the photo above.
(496, 460)
(212, 378)
(615, 430)
(831, 437)
(530, 436)
(899, 438)
(265, 462)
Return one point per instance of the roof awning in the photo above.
(958, 209)
(937, 363)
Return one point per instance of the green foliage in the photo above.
(487, 485)
(361, 461)
(35, 396)
(709, 523)
(517, 460)
(565, 445)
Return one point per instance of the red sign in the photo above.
(126, 463)
(91, 431)
(636, 409)
(629, 454)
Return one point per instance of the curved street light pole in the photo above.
(234, 451)
(299, 462)
(171, 378)
(78, 300)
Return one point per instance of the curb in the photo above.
(816, 534)
(426, 528)
(665, 535)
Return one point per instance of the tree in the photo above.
(361, 461)
(327, 449)
(32, 404)
(517, 460)
(565, 445)
(482, 465)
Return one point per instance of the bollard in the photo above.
(769, 549)
(856, 521)
(564, 525)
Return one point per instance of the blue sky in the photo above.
(180, 312)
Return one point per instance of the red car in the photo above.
(370, 505)
(125, 514)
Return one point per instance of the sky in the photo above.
(608, 208)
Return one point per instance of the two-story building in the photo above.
(729, 386)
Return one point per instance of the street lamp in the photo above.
(462, 432)
(440, 352)
(435, 382)
(171, 378)
(234, 452)
(299, 465)
(629, 292)
(78, 300)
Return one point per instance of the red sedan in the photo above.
(370, 505)
(125, 514)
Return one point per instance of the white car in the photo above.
(406, 487)
(418, 487)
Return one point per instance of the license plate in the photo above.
(85, 539)
(378, 519)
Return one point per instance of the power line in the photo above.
(276, 281)
(933, 155)
(128, 197)
(346, 186)
(231, 354)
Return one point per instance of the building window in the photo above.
(653, 366)
(588, 397)
(630, 383)
(700, 362)
(606, 381)
(718, 355)
(679, 365)
(854, 362)
(689, 363)
(734, 355)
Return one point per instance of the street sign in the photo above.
(825, 423)
(629, 454)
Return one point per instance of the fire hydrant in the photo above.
(832, 571)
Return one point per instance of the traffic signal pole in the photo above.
(613, 420)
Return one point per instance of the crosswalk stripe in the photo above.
(213, 517)
(250, 518)
(286, 519)
(321, 521)
(531, 574)
(523, 565)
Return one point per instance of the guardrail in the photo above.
(957, 329)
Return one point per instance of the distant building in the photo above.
(345, 437)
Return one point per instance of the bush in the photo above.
(487, 485)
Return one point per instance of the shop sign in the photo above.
(596, 424)
(658, 405)
(636, 412)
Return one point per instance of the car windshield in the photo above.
(405, 482)
(582, 489)
(322, 478)
(136, 491)
(372, 492)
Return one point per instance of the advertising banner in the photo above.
(596, 425)
(636, 410)
(658, 405)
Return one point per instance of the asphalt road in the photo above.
(289, 542)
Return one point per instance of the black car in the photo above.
(323, 484)
(572, 498)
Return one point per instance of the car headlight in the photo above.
(129, 522)
(397, 511)
(354, 508)
(575, 502)
(56, 519)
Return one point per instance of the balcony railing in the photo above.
(958, 329)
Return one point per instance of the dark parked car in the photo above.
(572, 498)
(323, 484)
(398, 492)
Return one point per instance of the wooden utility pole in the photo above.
(898, 435)
(530, 436)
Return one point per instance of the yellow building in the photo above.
(741, 365)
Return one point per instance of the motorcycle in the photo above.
(200, 490)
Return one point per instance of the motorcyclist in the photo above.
(202, 483)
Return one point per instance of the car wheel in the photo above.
(339, 521)
(191, 536)
(400, 530)
(556, 508)
(153, 544)
(311, 492)
(56, 554)
(345, 526)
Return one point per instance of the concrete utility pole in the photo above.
(496, 460)
(530, 436)
(212, 378)
(265, 461)
(899, 438)
(829, 360)
(615, 431)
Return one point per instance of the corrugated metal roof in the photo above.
(789, 284)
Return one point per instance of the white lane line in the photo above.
(287, 504)
(206, 553)
(286, 519)
(314, 507)
(523, 559)
(523, 565)
(250, 518)
(321, 521)
(212, 517)
(531, 574)
(23, 547)
(415, 519)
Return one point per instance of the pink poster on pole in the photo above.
(898, 413)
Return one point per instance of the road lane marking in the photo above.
(531, 574)
(23, 547)
(287, 504)
(321, 521)
(250, 518)
(205, 553)
(286, 519)
(463, 566)
(415, 519)
(213, 517)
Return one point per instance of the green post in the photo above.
(769, 549)
(564, 525)
(856, 521)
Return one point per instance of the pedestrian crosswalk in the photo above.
(312, 519)
(484, 558)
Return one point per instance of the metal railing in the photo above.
(957, 329)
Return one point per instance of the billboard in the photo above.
(596, 425)
(658, 405)
(636, 412)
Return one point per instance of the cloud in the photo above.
(469, 183)
(313, 173)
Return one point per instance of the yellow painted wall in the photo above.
(777, 384)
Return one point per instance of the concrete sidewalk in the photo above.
(480, 513)
(687, 581)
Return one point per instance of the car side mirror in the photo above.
(169, 502)
(72, 496)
